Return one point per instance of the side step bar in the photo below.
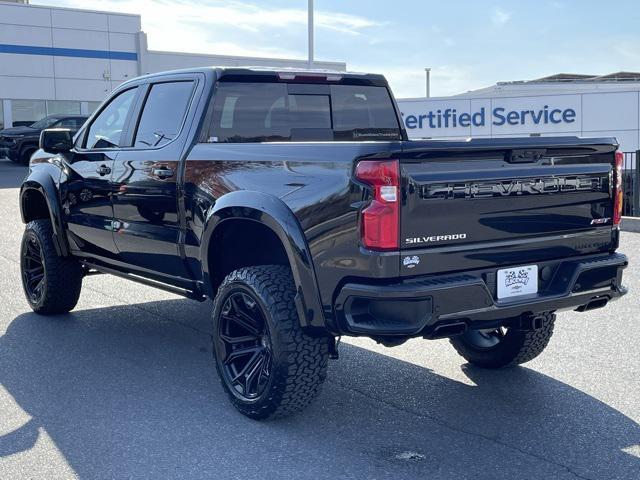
(192, 294)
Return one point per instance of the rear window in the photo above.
(278, 112)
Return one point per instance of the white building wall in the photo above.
(597, 110)
(55, 52)
(50, 53)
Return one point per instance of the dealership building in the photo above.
(562, 104)
(60, 60)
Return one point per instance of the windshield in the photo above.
(44, 123)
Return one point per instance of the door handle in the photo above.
(163, 172)
(103, 170)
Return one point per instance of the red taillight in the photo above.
(617, 189)
(381, 219)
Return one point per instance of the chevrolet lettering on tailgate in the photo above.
(504, 188)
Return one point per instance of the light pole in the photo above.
(310, 32)
(428, 72)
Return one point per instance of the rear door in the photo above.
(145, 179)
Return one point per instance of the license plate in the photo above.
(513, 282)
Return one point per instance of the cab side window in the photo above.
(106, 130)
(163, 113)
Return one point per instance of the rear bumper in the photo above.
(421, 306)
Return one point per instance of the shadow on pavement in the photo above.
(11, 174)
(127, 391)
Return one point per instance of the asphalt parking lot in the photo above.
(124, 387)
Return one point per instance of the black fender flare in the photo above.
(42, 182)
(276, 215)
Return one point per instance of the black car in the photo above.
(295, 201)
(19, 143)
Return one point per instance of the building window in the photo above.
(62, 107)
(1, 115)
(93, 106)
(26, 112)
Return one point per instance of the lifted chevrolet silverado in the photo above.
(295, 201)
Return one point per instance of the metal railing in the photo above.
(631, 185)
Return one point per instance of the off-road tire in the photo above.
(516, 347)
(62, 275)
(298, 360)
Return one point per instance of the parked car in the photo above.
(19, 143)
(295, 201)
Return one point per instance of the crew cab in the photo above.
(295, 201)
(19, 143)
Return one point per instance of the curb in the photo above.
(630, 224)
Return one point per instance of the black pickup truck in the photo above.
(295, 201)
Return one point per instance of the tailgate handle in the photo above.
(526, 156)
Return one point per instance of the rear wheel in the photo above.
(51, 283)
(267, 364)
(504, 347)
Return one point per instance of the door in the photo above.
(87, 196)
(145, 200)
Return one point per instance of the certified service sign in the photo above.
(491, 116)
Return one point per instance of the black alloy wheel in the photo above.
(25, 155)
(33, 269)
(267, 364)
(244, 345)
(51, 282)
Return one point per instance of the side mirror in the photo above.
(56, 140)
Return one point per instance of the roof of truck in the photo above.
(284, 73)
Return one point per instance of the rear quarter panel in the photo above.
(314, 180)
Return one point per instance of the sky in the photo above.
(468, 44)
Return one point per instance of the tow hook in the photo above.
(530, 322)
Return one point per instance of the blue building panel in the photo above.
(67, 52)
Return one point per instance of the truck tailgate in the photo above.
(469, 205)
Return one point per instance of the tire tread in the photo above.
(303, 359)
(520, 346)
(63, 275)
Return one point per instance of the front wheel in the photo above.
(51, 283)
(25, 155)
(267, 364)
(504, 347)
